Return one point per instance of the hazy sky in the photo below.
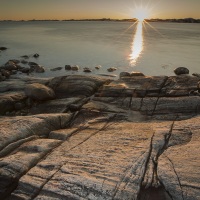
(79, 9)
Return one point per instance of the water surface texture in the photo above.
(154, 49)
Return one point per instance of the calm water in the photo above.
(155, 50)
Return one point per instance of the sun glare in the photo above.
(141, 13)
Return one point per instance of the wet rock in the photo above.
(3, 48)
(98, 67)
(24, 61)
(56, 69)
(136, 74)
(10, 65)
(36, 55)
(40, 92)
(124, 74)
(75, 68)
(37, 68)
(25, 57)
(68, 67)
(15, 61)
(181, 70)
(87, 70)
(111, 69)
(196, 74)
(32, 64)
(25, 70)
(5, 73)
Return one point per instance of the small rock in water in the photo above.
(39, 69)
(56, 69)
(112, 69)
(3, 48)
(136, 74)
(86, 69)
(25, 70)
(68, 67)
(36, 55)
(25, 57)
(32, 63)
(181, 70)
(196, 74)
(98, 67)
(124, 74)
(75, 68)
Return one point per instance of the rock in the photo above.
(37, 68)
(15, 61)
(112, 69)
(40, 92)
(25, 70)
(56, 69)
(53, 106)
(36, 55)
(19, 105)
(196, 74)
(181, 70)
(24, 61)
(5, 73)
(32, 64)
(2, 78)
(25, 57)
(75, 68)
(8, 101)
(86, 69)
(124, 74)
(3, 48)
(74, 86)
(68, 67)
(10, 65)
(98, 67)
(136, 74)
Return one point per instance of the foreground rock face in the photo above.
(134, 138)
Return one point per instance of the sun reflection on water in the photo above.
(137, 44)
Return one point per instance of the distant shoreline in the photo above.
(183, 20)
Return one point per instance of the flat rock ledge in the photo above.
(101, 139)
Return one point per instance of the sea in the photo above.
(155, 48)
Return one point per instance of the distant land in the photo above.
(183, 20)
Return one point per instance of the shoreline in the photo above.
(73, 136)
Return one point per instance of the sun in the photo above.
(141, 13)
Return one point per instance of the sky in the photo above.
(85, 9)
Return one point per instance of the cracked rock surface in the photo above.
(132, 138)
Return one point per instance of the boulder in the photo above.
(124, 74)
(75, 68)
(36, 55)
(10, 65)
(40, 92)
(15, 61)
(196, 74)
(112, 69)
(86, 69)
(181, 70)
(5, 73)
(76, 85)
(25, 57)
(136, 74)
(98, 67)
(3, 48)
(56, 69)
(68, 67)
